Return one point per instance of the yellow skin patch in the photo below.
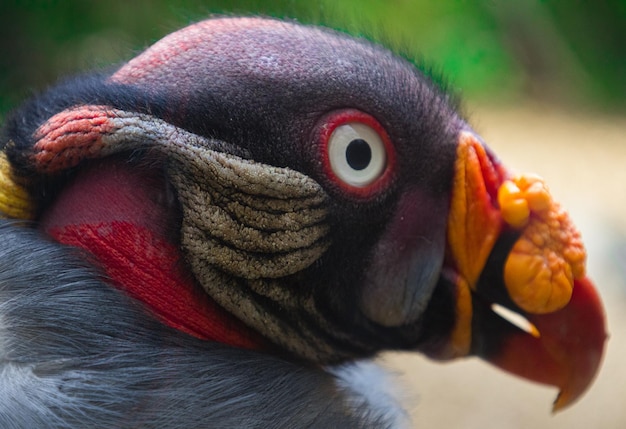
(15, 202)
(461, 338)
(474, 224)
(540, 270)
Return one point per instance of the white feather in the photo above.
(373, 390)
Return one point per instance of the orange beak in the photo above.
(511, 247)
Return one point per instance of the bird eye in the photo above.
(356, 154)
(357, 151)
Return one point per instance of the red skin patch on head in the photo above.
(120, 214)
(70, 136)
(213, 36)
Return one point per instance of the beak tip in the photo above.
(566, 398)
(560, 404)
(590, 315)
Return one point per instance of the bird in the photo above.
(225, 230)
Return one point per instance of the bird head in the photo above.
(295, 190)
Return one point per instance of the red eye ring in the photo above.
(344, 133)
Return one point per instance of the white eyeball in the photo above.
(357, 154)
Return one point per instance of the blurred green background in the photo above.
(563, 52)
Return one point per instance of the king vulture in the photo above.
(219, 232)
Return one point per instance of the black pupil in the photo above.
(358, 154)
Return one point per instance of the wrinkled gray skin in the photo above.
(75, 353)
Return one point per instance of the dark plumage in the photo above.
(253, 184)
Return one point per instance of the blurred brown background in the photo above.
(544, 82)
